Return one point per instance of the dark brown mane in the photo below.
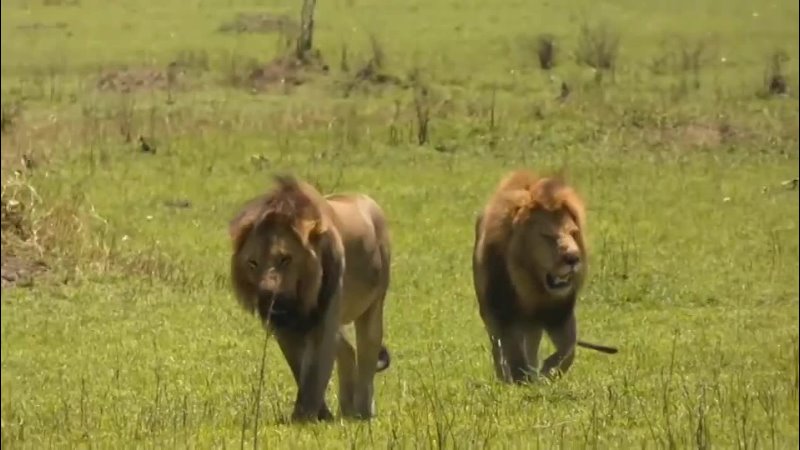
(288, 201)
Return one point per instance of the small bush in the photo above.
(422, 105)
(9, 113)
(775, 82)
(371, 72)
(598, 47)
(546, 51)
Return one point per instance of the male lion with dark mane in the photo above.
(529, 264)
(307, 265)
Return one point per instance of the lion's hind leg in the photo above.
(369, 342)
(347, 370)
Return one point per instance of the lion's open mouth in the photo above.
(555, 282)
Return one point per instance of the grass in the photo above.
(131, 336)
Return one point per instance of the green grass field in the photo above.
(119, 327)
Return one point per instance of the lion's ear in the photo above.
(241, 225)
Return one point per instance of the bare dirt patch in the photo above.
(140, 78)
(283, 71)
(126, 80)
(19, 271)
(260, 23)
(700, 134)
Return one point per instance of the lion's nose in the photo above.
(572, 258)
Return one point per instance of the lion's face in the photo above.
(276, 264)
(553, 243)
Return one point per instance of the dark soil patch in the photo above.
(142, 78)
(373, 75)
(38, 26)
(260, 23)
(284, 72)
(61, 2)
(178, 203)
(370, 75)
(777, 85)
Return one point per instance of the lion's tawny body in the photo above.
(309, 265)
(529, 264)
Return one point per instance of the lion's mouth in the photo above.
(275, 309)
(557, 283)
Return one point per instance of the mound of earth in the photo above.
(284, 71)
(16, 269)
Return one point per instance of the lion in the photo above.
(529, 265)
(308, 265)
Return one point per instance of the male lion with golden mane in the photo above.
(307, 265)
(529, 264)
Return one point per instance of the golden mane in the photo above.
(522, 192)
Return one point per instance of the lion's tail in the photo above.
(599, 348)
(384, 360)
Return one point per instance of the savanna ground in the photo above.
(132, 131)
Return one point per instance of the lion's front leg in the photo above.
(499, 362)
(564, 338)
(321, 342)
(512, 345)
(533, 338)
(317, 366)
(293, 346)
(508, 352)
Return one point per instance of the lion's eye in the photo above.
(549, 237)
(252, 264)
(284, 260)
